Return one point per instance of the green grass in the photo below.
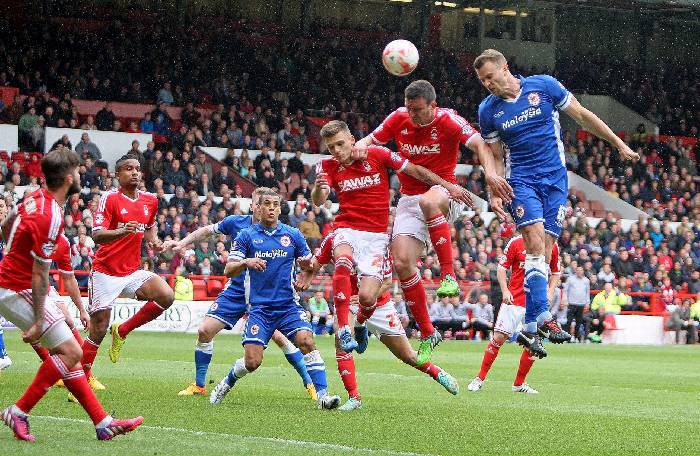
(593, 400)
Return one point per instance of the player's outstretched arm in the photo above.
(554, 280)
(197, 235)
(495, 200)
(491, 159)
(592, 123)
(71, 285)
(425, 175)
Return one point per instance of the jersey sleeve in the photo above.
(560, 96)
(225, 226)
(389, 159)
(63, 256)
(465, 132)
(103, 217)
(44, 230)
(153, 214)
(241, 247)
(486, 125)
(506, 261)
(386, 131)
(554, 264)
(301, 248)
(325, 254)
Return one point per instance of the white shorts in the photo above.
(368, 250)
(17, 308)
(510, 319)
(384, 321)
(105, 289)
(410, 220)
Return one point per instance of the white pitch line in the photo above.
(306, 443)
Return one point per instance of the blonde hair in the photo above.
(489, 55)
(334, 127)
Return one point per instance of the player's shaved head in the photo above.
(267, 193)
(58, 164)
(123, 160)
(334, 127)
(420, 89)
(489, 55)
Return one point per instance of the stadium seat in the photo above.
(610, 323)
(214, 287)
(200, 290)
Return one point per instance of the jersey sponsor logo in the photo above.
(286, 241)
(140, 228)
(271, 254)
(361, 182)
(533, 98)
(416, 149)
(524, 116)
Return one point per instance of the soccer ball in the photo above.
(400, 57)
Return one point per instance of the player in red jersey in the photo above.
(382, 320)
(430, 136)
(124, 218)
(36, 227)
(361, 235)
(512, 312)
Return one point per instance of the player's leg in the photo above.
(296, 359)
(203, 350)
(405, 251)
(490, 355)
(526, 362)
(435, 205)
(342, 287)
(5, 360)
(147, 287)
(99, 323)
(103, 290)
(346, 369)
(367, 299)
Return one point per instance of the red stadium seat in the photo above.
(200, 290)
(214, 287)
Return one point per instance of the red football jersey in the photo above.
(62, 255)
(514, 259)
(363, 188)
(122, 256)
(34, 235)
(434, 146)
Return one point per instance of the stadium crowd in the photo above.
(251, 111)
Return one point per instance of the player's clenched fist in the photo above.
(130, 227)
(322, 181)
(256, 264)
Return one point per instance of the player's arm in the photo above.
(502, 275)
(425, 175)
(151, 236)
(304, 278)
(592, 123)
(70, 283)
(197, 235)
(239, 259)
(500, 169)
(40, 288)
(322, 187)
(103, 236)
(494, 170)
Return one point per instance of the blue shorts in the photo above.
(228, 309)
(264, 320)
(540, 198)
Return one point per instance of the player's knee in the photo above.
(402, 266)
(367, 299)
(306, 343)
(429, 204)
(409, 357)
(499, 338)
(252, 364)
(165, 297)
(205, 334)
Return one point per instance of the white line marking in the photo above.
(306, 443)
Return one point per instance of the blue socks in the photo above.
(317, 371)
(202, 357)
(3, 352)
(296, 359)
(536, 278)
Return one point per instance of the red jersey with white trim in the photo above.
(363, 188)
(62, 255)
(122, 256)
(34, 235)
(434, 146)
(514, 259)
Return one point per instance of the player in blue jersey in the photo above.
(520, 122)
(5, 360)
(268, 251)
(230, 306)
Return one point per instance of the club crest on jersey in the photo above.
(519, 211)
(47, 248)
(404, 131)
(99, 219)
(254, 330)
(434, 133)
(286, 241)
(367, 166)
(145, 210)
(533, 98)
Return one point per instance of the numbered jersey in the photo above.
(514, 259)
(34, 235)
(122, 256)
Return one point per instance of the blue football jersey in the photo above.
(528, 126)
(279, 247)
(231, 226)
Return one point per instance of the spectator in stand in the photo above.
(297, 216)
(161, 120)
(50, 117)
(681, 320)
(16, 170)
(310, 230)
(694, 283)
(104, 119)
(146, 125)
(221, 178)
(165, 95)
(183, 287)
(321, 316)
(36, 134)
(296, 165)
(190, 116)
(401, 311)
(174, 177)
(482, 316)
(86, 147)
(577, 296)
(303, 190)
(64, 141)
(442, 313)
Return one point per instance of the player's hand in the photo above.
(304, 263)
(322, 181)
(359, 151)
(508, 297)
(85, 320)
(497, 207)
(32, 334)
(130, 227)
(303, 280)
(627, 153)
(499, 187)
(171, 245)
(460, 194)
(156, 245)
(256, 264)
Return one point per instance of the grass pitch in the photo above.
(594, 399)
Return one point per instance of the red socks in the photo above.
(342, 289)
(148, 312)
(490, 355)
(526, 362)
(365, 313)
(416, 301)
(50, 371)
(41, 351)
(346, 369)
(89, 353)
(439, 231)
(76, 334)
(77, 384)
(430, 369)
